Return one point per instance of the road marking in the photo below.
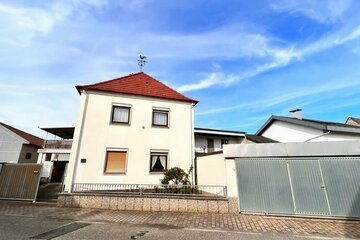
(322, 238)
(220, 231)
(60, 231)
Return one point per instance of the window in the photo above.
(28, 156)
(120, 114)
(115, 162)
(158, 162)
(224, 141)
(48, 157)
(160, 118)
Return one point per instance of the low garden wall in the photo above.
(149, 203)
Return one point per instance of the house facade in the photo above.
(130, 130)
(17, 146)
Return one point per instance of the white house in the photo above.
(298, 129)
(17, 146)
(56, 153)
(130, 130)
(212, 140)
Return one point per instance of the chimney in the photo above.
(296, 113)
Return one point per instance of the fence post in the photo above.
(225, 191)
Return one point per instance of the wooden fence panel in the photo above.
(19, 181)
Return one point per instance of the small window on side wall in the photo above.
(115, 162)
(160, 118)
(120, 114)
(28, 156)
(158, 162)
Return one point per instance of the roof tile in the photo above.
(139, 84)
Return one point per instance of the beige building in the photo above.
(130, 130)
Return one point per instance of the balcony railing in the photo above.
(211, 191)
(58, 144)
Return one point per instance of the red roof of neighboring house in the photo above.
(139, 84)
(34, 140)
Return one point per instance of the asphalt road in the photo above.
(19, 227)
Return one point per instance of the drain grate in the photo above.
(60, 231)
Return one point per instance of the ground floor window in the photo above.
(158, 161)
(115, 161)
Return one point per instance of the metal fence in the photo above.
(152, 189)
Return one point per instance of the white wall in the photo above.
(201, 141)
(211, 169)
(288, 132)
(97, 134)
(10, 145)
(28, 148)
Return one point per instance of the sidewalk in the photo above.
(232, 222)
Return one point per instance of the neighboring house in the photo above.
(130, 130)
(56, 153)
(212, 140)
(17, 146)
(353, 121)
(298, 129)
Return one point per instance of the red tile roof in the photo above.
(34, 140)
(139, 84)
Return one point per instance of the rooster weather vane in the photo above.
(141, 62)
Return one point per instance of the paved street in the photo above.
(23, 221)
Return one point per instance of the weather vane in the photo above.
(141, 62)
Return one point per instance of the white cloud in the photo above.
(301, 93)
(321, 11)
(280, 58)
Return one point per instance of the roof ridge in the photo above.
(107, 81)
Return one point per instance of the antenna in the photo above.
(141, 62)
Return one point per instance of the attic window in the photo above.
(28, 156)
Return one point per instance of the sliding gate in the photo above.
(302, 186)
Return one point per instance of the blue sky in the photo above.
(243, 60)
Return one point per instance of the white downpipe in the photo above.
(192, 143)
(80, 139)
(326, 133)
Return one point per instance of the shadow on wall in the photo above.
(352, 228)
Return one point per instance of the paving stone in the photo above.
(147, 204)
(155, 204)
(129, 203)
(174, 205)
(239, 222)
(192, 205)
(113, 203)
(202, 206)
(138, 204)
(164, 204)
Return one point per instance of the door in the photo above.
(308, 187)
(58, 171)
(210, 145)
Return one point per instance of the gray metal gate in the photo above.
(303, 186)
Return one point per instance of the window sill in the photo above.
(157, 172)
(114, 173)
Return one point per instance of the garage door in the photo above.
(302, 186)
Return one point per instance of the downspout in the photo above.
(326, 133)
(80, 138)
(192, 142)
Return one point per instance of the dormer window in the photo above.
(120, 114)
(160, 118)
